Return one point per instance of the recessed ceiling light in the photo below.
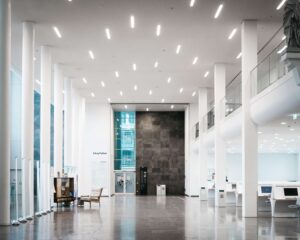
(158, 30)
(180, 90)
(63, 92)
(282, 49)
(34, 58)
(147, 109)
(283, 38)
(206, 74)
(69, 0)
(192, 3)
(125, 106)
(163, 100)
(56, 30)
(132, 21)
(92, 56)
(121, 93)
(193, 94)
(135, 87)
(38, 82)
(172, 106)
(195, 60)
(239, 55)
(84, 80)
(259, 132)
(108, 99)
(283, 123)
(178, 49)
(156, 64)
(102, 84)
(169, 79)
(280, 4)
(292, 129)
(150, 92)
(231, 35)
(107, 31)
(117, 74)
(134, 67)
(92, 94)
(219, 10)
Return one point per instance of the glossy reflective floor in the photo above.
(153, 218)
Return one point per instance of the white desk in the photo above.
(280, 208)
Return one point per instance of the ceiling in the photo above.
(161, 107)
(82, 24)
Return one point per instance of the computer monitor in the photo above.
(289, 192)
(266, 189)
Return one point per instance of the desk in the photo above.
(280, 207)
(231, 197)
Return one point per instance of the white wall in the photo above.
(96, 165)
(271, 167)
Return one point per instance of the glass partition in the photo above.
(233, 99)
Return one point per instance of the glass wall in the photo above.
(125, 140)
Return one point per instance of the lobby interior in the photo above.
(135, 119)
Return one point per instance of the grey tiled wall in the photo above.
(160, 148)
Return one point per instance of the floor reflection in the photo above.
(130, 217)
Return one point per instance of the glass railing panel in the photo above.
(233, 99)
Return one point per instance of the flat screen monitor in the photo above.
(266, 189)
(290, 192)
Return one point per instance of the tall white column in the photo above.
(203, 154)
(249, 131)
(68, 123)
(45, 126)
(58, 118)
(220, 150)
(27, 135)
(5, 48)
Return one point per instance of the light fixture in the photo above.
(125, 106)
(219, 10)
(56, 30)
(180, 90)
(239, 55)
(34, 58)
(92, 94)
(192, 3)
(206, 74)
(292, 129)
(172, 106)
(280, 4)
(282, 49)
(147, 109)
(107, 31)
(38, 82)
(150, 92)
(193, 94)
(178, 49)
(121, 93)
(102, 84)
(134, 67)
(195, 60)
(283, 123)
(84, 80)
(283, 38)
(135, 87)
(108, 99)
(92, 56)
(163, 100)
(231, 35)
(117, 74)
(158, 30)
(169, 79)
(132, 21)
(259, 132)
(155, 64)
(63, 92)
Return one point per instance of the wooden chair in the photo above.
(93, 197)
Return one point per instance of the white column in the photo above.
(187, 150)
(45, 125)
(58, 118)
(203, 154)
(220, 151)
(249, 131)
(27, 135)
(68, 123)
(5, 48)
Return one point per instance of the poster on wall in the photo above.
(100, 169)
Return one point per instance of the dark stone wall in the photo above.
(160, 148)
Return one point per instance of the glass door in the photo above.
(125, 182)
(130, 182)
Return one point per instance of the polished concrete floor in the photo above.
(146, 218)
